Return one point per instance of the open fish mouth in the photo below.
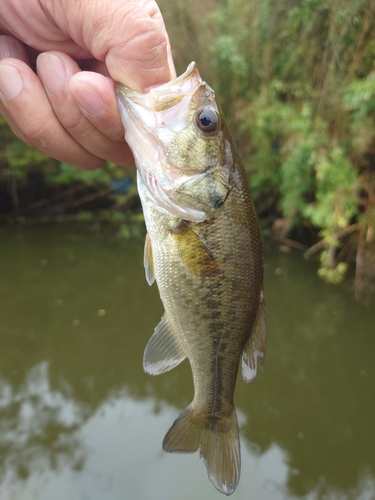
(159, 99)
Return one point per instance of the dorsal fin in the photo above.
(148, 261)
(255, 347)
(163, 351)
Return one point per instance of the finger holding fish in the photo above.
(28, 111)
(85, 106)
(42, 112)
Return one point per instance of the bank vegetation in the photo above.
(296, 80)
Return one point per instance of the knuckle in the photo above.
(90, 163)
(39, 134)
(43, 136)
(150, 6)
(76, 125)
(148, 44)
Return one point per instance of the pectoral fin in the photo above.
(195, 254)
(148, 261)
(163, 351)
(255, 347)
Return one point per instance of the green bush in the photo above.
(297, 83)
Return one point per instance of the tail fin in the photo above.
(218, 443)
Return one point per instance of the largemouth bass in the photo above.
(203, 249)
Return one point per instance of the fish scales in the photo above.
(205, 310)
(204, 250)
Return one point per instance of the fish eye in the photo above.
(208, 120)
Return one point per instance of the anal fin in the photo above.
(255, 347)
(163, 351)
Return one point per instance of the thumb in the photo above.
(145, 59)
(129, 36)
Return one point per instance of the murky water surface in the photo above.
(79, 419)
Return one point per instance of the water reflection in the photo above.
(118, 456)
(79, 418)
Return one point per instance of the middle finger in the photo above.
(92, 130)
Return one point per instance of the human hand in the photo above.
(65, 111)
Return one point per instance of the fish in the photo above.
(203, 248)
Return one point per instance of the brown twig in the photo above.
(53, 198)
(84, 199)
(291, 243)
(340, 234)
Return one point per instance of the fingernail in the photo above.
(88, 99)
(51, 71)
(11, 82)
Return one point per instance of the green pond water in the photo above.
(79, 420)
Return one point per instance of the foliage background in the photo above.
(297, 83)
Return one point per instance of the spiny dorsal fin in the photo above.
(255, 347)
(148, 261)
(195, 254)
(163, 352)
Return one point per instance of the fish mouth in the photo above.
(161, 105)
(164, 96)
(167, 105)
